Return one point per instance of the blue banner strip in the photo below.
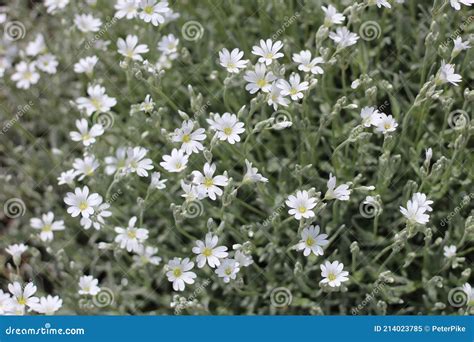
(237, 328)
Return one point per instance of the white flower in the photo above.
(383, 3)
(450, 251)
(386, 123)
(312, 241)
(25, 75)
(126, 9)
(86, 65)
(333, 273)
(156, 182)
(97, 219)
(342, 192)
(355, 84)
(252, 175)
(459, 46)
(47, 63)
(456, 4)
(131, 237)
(85, 167)
(306, 64)
(117, 163)
(16, 251)
(136, 161)
(88, 285)
(370, 116)
(275, 97)
(191, 192)
(228, 270)
(47, 225)
(168, 45)
(85, 135)
(301, 205)
(130, 48)
(243, 259)
(5, 64)
(190, 141)
(332, 16)
(422, 201)
(259, 79)
(175, 162)
(343, 37)
(470, 293)
(48, 305)
(179, 273)
(294, 88)
(208, 252)
(232, 61)
(147, 105)
(414, 212)
(98, 100)
(52, 6)
(150, 11)
(67, 177)
(268, 51)
(5, 303)
(23, 297)
(36, 46)
(227, 127)
(146, 255)
(87, 23)
(446, 74)
(80, 202)
(207, 183)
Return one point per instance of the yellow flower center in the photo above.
(186, 138)
(262, 83)
(228, 271)
(22, 300)
(309, 241)
(131, 234)
(208, 182)
(293, 91)
(95, 103)
(228, 131)
(86, 137)
(269, 55)
(178, 165)
(331, 276)
(207, 252)
(386, 126)
(302, 210)
(27, 75)
(148, 9)
(177, 272)
(47, 228)
(231, 65)
(83, 206)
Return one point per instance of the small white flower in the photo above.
(209, 184)
(85, 135)
(98, 100)
(306, 64)
(146, 255)
(87, 23)
(53, 6)
(343, 37)
(179, 273)
(130, 48)
(88, 285)
(386, 123)
(131, 237)
(232, 61)
(67, 177)
(415, 210)
(275, 97)
(86, 65)
(469, 290)
(117, 163)
(355, 84)
(446, 74)
(36, 46)
(252, 175)
(383, 3)
(268, 51)
(85, 167)
(190, 141)
(370, 116)
(312, 241)
(25, 75)
(332, 16)
(156, 182)
(97, 219)
(80, 202)
(294, 88)
(333, 273)
(259, 79)
(47, 225)
(227, 127)
(48, 305)
(208, 252)
(126, 9)
(456, 4)
(422, 201)
(191, 192)
(301, 205)
(450, 251)
(151, 11)
(228, 270)
(459, 46)
(342, 192)
(136, 161)
(243, 259)
(6, 304)
(175, 162)
(147, 105)
(16, 251)
(23, 297)
(168, 45)
(47, 63)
